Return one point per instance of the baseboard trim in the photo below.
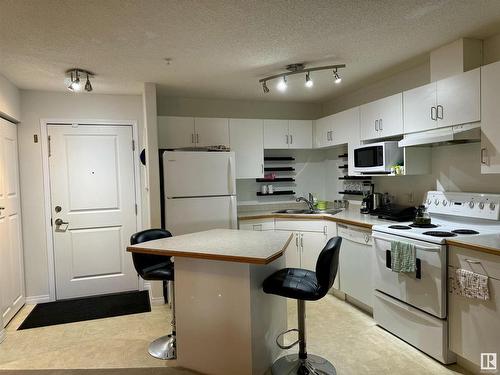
(33, 300)
(153, 300)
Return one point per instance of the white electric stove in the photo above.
(413, 305)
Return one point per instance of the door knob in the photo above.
(60, 222)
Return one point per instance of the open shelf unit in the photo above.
(283, 170)
(276, 179)
(279, 192)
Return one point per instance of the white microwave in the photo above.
(377, 158)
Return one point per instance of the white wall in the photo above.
(10, 100)
(175, 106)
(36, 105)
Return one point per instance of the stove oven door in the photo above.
(424, 289)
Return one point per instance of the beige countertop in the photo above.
(487, 243)
(350, 216)
(220, 244)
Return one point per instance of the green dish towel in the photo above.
(403, 257)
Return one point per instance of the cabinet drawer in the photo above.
(301, 225)
(257, 225)
(483, 263)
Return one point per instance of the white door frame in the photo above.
(47, 193)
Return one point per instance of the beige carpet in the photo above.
(336, 330)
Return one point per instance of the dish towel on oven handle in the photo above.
(470, 284)
(403, 257)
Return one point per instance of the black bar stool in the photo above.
(157, 267)
(304, 285)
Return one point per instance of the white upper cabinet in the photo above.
(459, 99)
(179, 132)
(382, 118)
(420, 111)
(176, 132)
(211, 131)
(283, 134)
(451, 101)
(247, 141)
(300, 132)
(276, 134)
(336, 129)
(490, 118)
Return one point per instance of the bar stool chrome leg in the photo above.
(165, 347)
(303, 363)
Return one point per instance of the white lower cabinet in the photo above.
(474, 324)
(257, 225)
(356, 262)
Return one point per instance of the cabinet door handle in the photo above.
(197, 138)
(442, 112)
(380, 125)
(302, 242)
(286, 137)
(192, 138)
(262, 167)
(483, 155)
(297, 240)
(328, 135)
(433, 113)
(291, 139)
(376, 125)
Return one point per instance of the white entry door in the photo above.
(93, 208)
(11, 250)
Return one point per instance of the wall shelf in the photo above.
(343, 156)
(281, 192)
(279, 158)
(351, 192)
(345, 166)
(356, 178)
(279, 169)
(276, 179)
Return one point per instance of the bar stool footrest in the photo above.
(283, 334)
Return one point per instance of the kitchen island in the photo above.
(226, 324)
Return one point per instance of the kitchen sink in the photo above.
(307, 212)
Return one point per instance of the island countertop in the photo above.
(220, 244)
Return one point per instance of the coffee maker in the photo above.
(367, 202)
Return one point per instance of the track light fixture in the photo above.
(74, 76)
(299, 69)
(337, 77)
(309, 81)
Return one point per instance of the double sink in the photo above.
(307, 212)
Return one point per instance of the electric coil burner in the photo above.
(399, 227)
(423, 226)
(438, 233)
(464, 231)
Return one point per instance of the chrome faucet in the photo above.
(309, 202)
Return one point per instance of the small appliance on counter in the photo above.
(395, 212)
(422, 218)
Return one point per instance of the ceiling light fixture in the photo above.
(299, 68)
(309, 81)
(264, 87)
(282, 85)
(74, 76)
(337, 77)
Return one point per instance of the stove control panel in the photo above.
(480, 206)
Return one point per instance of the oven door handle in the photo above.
(418, 246)
(418, 264)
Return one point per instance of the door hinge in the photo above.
(135, 209)
(133, 145)
(48, 146)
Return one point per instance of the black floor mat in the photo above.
(87, 308)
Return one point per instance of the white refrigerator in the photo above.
(199, 191)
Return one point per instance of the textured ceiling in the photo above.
(221, 48)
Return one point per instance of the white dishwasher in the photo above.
(356, 263)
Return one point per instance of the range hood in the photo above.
(453, 134)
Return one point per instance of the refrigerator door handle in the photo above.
(230, 177)
(233, 216)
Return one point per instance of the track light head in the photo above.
(75, 82)
(337, 76)
(282, 85)
(309, 81)
(265, 88)
(88, 85)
